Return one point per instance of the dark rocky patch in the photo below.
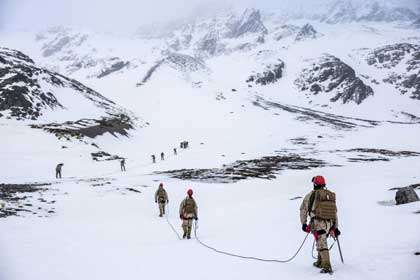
(117, 66)
(115, 125)
(286, 30)
(210, 44)
(133, 190)
(406, 195)
(372, 155)
(104, 156)
(296, 198)
(16, 197)
(307, 32)
(386, 152)
(370, 159)
(181, 62)
(390, 56)
(263, 168)
(413, 186)
(299, 141)
(331, 75)
(321, 118)
(270, 75)
(249, 22)
(23, 96)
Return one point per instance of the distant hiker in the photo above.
(175, 152)
(153, 158)
(58, 169)
(185, 144)
(320, 206)
(188, 212)
(123, 164)
(162, 156)
(182, 145)
(161, 197)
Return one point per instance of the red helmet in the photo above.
(190, 192)
(318, 181)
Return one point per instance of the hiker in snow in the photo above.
(123, 164)
(2, 204)
(162, 156)
(181, 145)
(153, 158)
(58, 169)
(320, 206)
(185, 144)
(161, 197)
(188, 212)
(175, 153)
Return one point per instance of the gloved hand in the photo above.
(335, 232)
(167, 201)
(196, 218)
(155, 201)
(306, 228)
(181, 216)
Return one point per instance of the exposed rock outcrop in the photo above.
(249, 22)
(329, 74)
(307, 32)
(270, 75)
(404, 62)
(406, 195)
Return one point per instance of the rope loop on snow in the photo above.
(248, 257)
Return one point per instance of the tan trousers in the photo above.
(162, 208)
(186, 226)
(321, 242)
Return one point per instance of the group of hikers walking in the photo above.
(188, 210)
(183, 145)
(319, 206)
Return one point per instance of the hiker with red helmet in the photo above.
(320, 206)
(161, 197)
(188, 212)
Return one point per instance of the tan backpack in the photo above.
(189, 207)
(161, 195)
(322, 204)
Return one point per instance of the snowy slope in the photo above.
(238, 87)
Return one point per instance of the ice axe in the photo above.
(339, 249)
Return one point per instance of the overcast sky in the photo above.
(127, 14)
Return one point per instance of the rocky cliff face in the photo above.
(329, 74)
(249, 22)
(28, 91)
(402, 63)
(270, 75)
(307, 32)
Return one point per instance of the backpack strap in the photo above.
(311, 202)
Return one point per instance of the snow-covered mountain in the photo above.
(55, 103)
(372, 11)
(266, 100)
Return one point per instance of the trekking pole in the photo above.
(339, 249)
